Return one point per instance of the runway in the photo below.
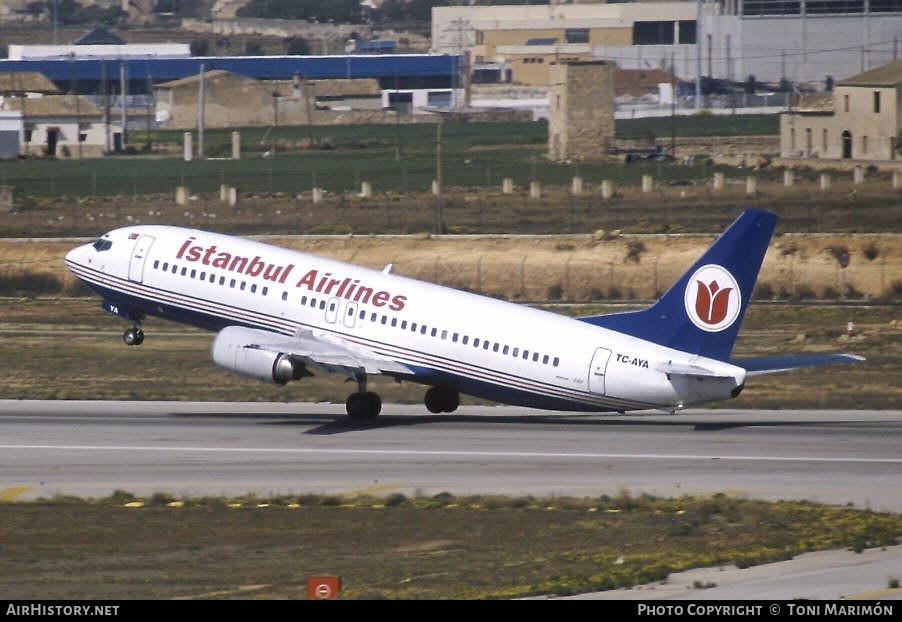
(854, 458)
(90, 449)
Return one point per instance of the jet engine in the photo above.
(235, 349)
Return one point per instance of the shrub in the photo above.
(870, 251)
(634, 250)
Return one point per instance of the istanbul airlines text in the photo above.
(280, 315)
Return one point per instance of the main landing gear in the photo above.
(363, 404)
(367, 405)
(442, 400)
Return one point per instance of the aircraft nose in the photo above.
(80, 255)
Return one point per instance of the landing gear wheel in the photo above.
(365, 405)
(133, 336)
(440, 399)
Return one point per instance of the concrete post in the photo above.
(607, 189)
(897, 179)
(317, 195)
(788, 178)
(236, 145)
(188, 147)
(858, 174)
(825, 182)
(232, 196)
(535, 189)
(751, 185)
(577, 185)
(181, 195)
(647, 183)
(366, 190)
(507, 185)
(718, 181)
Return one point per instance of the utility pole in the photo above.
(200, 114)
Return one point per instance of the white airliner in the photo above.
(280, 315)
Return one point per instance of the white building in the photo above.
(800, 41)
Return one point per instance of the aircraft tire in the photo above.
(365, 405)
(441, 400)
(133, 337)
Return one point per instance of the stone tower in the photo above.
(580, 110)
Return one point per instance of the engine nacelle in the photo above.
(234, 350)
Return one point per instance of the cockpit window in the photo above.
(102, 245)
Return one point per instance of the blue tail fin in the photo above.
(701, 313)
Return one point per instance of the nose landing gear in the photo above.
(133, 336)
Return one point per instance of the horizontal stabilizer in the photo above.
(696, 371)
(772, 364)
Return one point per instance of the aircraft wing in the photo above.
(771, 364)
(318, 351)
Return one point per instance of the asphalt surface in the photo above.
(848, 458)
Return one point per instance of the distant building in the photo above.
(799, 41)
(581, 110)
(232, 100)
(860, 120)
(63, 126)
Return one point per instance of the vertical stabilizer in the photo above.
(702, 312)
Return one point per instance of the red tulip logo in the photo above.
(712, 298)
(712, 302)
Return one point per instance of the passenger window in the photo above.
(475, 342)
(434, 332)
(232, 283)
(322, 305)
(383, 319)
(265, 290)
(545, 360)
(495, 347)
(284, 295)
(444, 334)
(156, 264)
(193, 274)
(505, 350)
(212, 278)
(394, 321)
(555, 362)
(184, 271)
(175, 268)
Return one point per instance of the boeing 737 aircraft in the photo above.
(280, 315)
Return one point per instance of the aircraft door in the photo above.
(332, 310)
(139, 256)
(597, 369)
(350, 316)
